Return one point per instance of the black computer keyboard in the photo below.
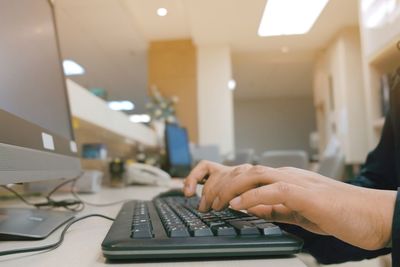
(180, 218)
(171, 227)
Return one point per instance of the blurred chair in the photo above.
(241, 157)
(205, 152)
(332, 161)
(285, 158)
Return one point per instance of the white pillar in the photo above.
(215, 100)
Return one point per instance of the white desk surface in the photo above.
(82, 243)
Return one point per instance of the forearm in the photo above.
(395, 242)
(330, 250)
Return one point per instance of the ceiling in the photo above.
(233, 22)
(110, 37)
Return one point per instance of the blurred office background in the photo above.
(236, 90)
(315, 100)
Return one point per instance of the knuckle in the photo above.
(239, 169)
(203, 162)
(258, 169)
(287, 169)
(246, 166)
(283, 187)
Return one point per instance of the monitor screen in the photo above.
(36, 139)
(31, 78)
(177, 146)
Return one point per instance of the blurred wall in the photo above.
(215, 100)
(274, 123)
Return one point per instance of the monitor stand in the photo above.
(30, 224)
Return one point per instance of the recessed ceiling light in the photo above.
(72, 68)
(231, 84)
(289, 17)
(162, 12)
(121, 105)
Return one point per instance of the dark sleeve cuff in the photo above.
(396, 232)
(330, 250)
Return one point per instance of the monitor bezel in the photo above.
(24, 156)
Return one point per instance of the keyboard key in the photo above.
(141, 233)
(215, 223)
(141, 225)
(178, 232)
(269, 229)
(224, 230)
(181, 218)
(258, 221)
(250, 218)
(202, 231)
(244, 227)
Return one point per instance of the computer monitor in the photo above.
(36, 138)
(179, 160)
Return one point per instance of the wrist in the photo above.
(388, 200)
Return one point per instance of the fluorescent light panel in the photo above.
(72, 68)
(378, 12)
(140, 118)
(290, 17)
(121, 105)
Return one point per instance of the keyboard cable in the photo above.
(56, 244)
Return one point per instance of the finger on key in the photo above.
(202, 169)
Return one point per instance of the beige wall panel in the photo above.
(172, 68)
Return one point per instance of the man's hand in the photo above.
(359, 216)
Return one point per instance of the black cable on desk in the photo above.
(77, 204)
(23, 199)
(57, 243)
(69, 204)
(73, 181)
